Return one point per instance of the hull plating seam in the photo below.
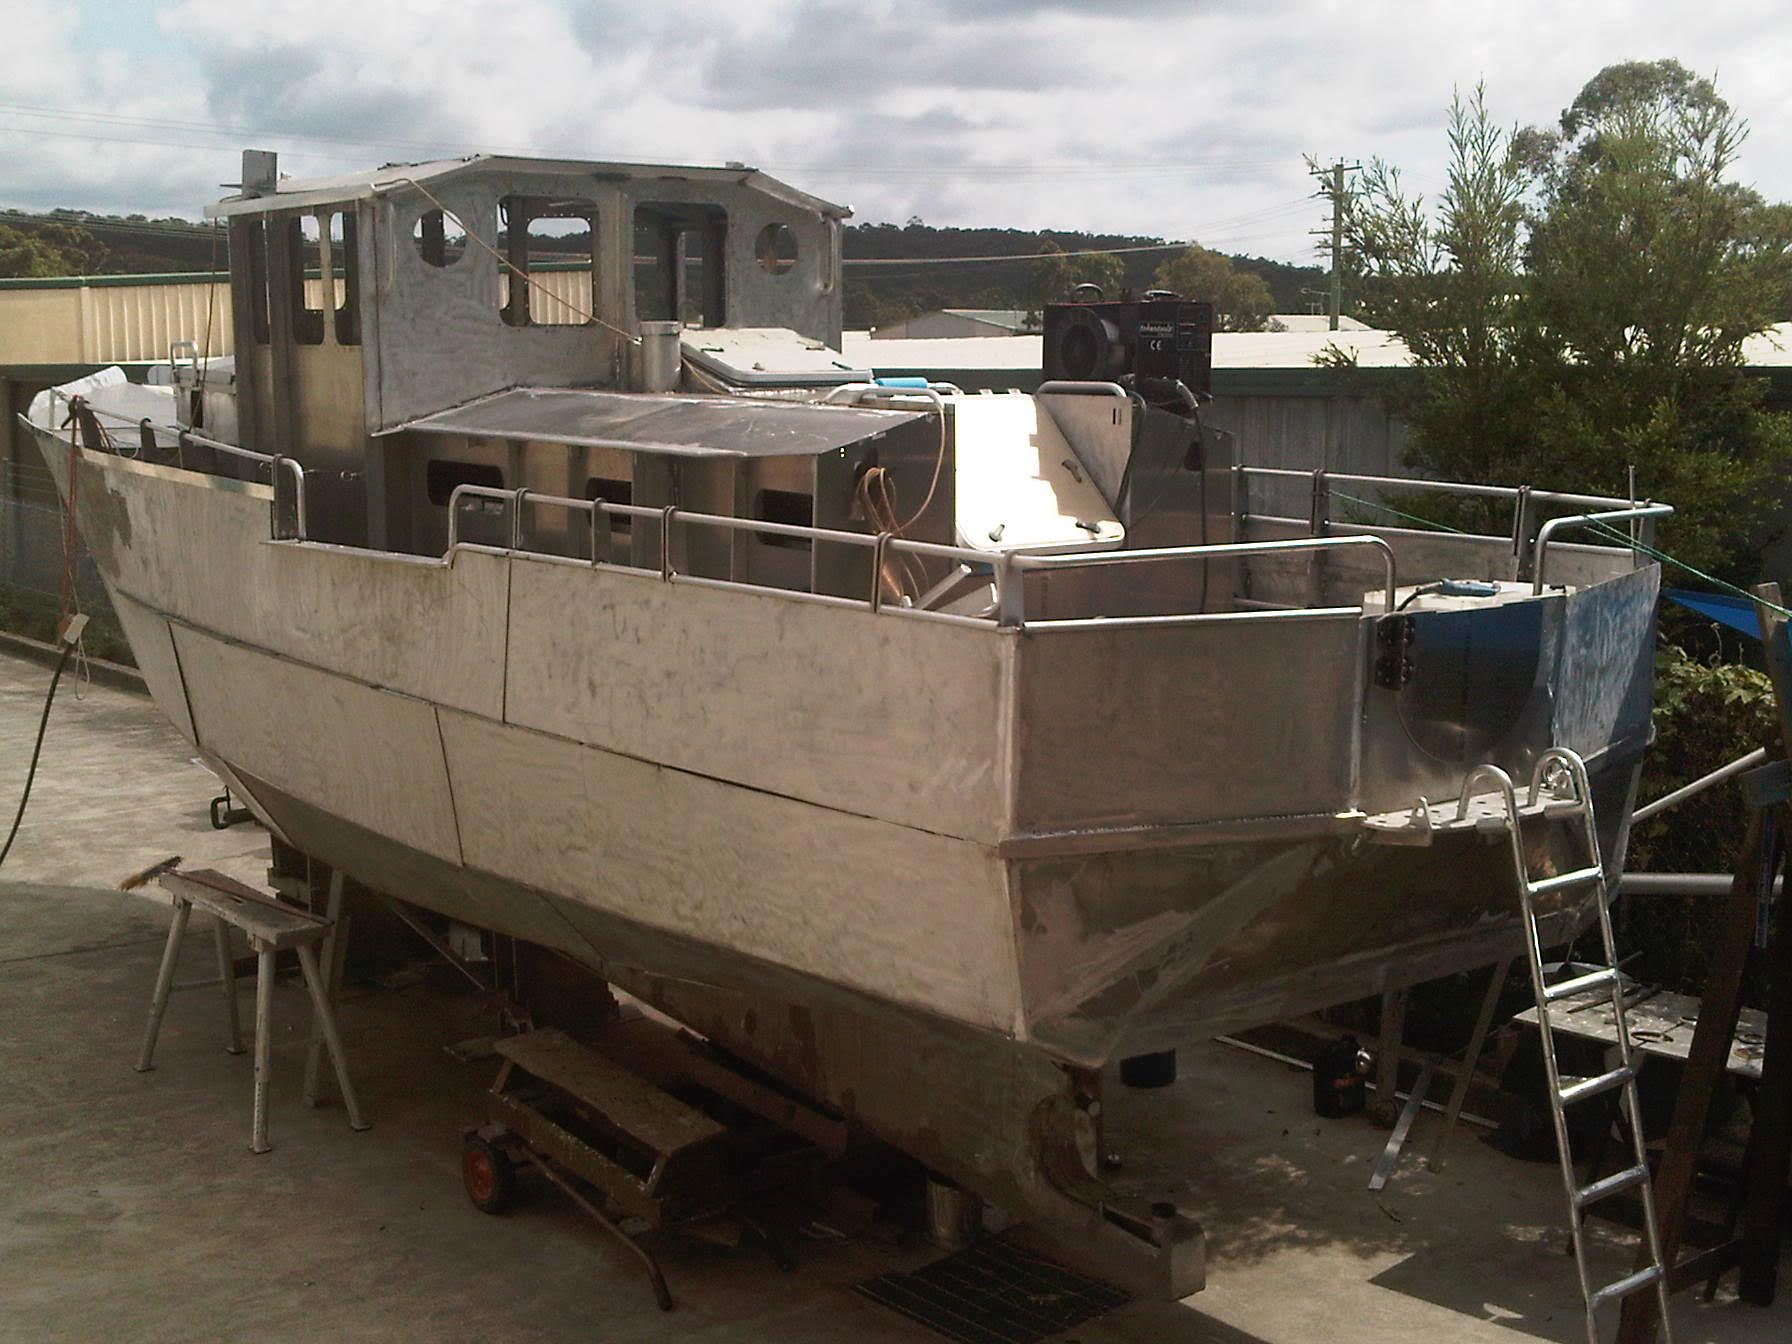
(1029, 844)
(210, 633)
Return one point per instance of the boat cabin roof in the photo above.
(684, 426)
(297, 193)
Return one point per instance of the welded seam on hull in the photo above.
(1028, 845)
(504, 670)
(460, 847)
(181, 673)
(862, 1000)
(275, 654)
(1177, 835)
(1010, 730)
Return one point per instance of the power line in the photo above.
(1012, 256)
(192, 232)
(220, 131)
(981, 170)
(1267, 213)
(214, 130)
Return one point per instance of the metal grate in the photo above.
(995, 1293)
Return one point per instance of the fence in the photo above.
(31, 565)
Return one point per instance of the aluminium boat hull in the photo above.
(766, 793)
(933, 875)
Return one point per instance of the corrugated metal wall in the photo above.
(142, 321)
(116, 323)
(104, 324)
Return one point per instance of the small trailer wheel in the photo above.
(489, 1175)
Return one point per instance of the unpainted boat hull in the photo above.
(974, 824)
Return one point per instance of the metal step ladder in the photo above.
(1555, 768)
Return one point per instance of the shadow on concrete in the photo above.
(1479, 1235)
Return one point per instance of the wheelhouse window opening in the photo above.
(792, 507)
(828, 263)
(680, 264)
(438, 241)
(306, 278)
(612, 490)
(441, 477)
(257, 233)
(346, 277)
(554, 243)
(775, 249)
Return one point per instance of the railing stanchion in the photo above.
(600, 533)
(666, 516)
(1319, 515)
(1011, 594)
(1546, 533)
(879, 549)
(1521, 534)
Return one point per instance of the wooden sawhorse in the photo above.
(270, 926)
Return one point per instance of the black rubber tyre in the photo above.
(488, 1174)
(1157, 1069)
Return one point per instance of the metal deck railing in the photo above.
(289, 522)
(1530, 542)
(1007, 570)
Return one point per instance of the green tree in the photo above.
(1448, 282)
(1577, 302)
(1241, 300)
(1056, 273)
(47, 249)
(1649, 267)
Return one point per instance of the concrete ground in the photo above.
(133, 1210)
(117, 788)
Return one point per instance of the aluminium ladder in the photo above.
(1553, 765)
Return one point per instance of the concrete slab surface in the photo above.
(133, 1210)
(117, 787)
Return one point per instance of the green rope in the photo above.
(1660, 556)
(1664, 558)
(1401, 513)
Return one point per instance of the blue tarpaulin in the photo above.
(1736, 612)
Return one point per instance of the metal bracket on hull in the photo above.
(998, 1118)
(1157, 1248)
(1483, 812)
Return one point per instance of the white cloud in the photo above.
(1148, 116)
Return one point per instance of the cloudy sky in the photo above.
(1182, 118)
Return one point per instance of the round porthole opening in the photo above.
(775, 249)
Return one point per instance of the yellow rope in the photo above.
(211, 305)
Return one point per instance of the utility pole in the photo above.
(1333, 188)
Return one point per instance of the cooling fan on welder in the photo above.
(1159, 339)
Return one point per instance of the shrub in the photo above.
(1707, 713)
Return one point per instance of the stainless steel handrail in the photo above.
(1006, 568)
(517, 500)
(302, 528)
(1077, 387)
(183, 436)
(1084, 559)
(854, 394)
(1508, 492)
(1503, 785)
(1547, 532)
